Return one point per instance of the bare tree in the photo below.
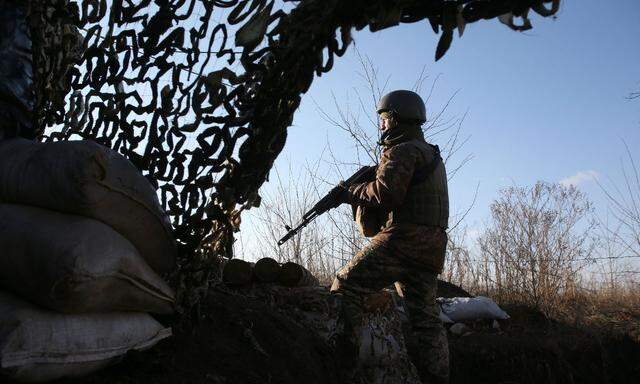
(461, 268)
(610, 254)
(536, 244)
(625, 206)
(363, 131)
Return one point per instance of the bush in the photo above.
(536, 244)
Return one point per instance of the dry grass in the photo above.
(610, 311)
(534, 253)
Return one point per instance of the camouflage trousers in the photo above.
(374, 268)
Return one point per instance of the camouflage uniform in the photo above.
(39, 47)
(409, 249)
(16, 72)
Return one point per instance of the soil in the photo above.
(243, 339)
(236, 340)
(529, 348)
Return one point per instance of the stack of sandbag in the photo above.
(239, 273)
(38, 345)
(86, 179)
(83, 237)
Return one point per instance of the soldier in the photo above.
(39, 46)
(410, 194)
(16, 73)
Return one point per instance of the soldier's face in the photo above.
(386, 121)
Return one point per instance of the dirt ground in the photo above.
(532, 349)
(237, 340)
(242, 339)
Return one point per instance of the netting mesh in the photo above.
(198, 94)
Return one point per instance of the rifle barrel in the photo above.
(295, 230)
(327, 202)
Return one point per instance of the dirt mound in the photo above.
(533, 350)
(244, 337)
(237, 340)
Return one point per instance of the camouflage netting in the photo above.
(198, 94)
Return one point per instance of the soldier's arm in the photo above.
(392, 180)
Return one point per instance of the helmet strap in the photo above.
(400, 133)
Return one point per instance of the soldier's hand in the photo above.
(338, 195)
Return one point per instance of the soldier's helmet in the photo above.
(407, 105)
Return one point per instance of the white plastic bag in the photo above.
(87, 179)
(444, 318)
(471, 308)
(38, 345)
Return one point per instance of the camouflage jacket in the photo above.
(415, 216)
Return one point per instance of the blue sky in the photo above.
(545, 104)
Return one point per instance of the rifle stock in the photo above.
(330, 200)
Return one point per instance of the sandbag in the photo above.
(237, 272)
(37, 345)
(74, 264)
(444, 318)
(87, 179)
(266, 270)
(295, 275)
(471, 308)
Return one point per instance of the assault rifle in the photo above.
(330, 200)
